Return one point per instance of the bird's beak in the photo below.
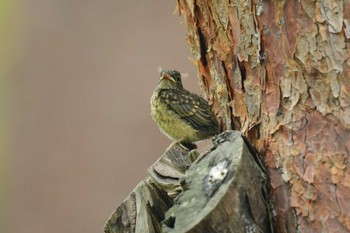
(167, 76)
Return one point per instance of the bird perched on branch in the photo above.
(181, 115)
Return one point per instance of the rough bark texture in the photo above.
(223, 190)
(279, 72)
(144, 209)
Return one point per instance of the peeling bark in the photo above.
(279, 72)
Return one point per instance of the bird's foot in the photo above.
(185, 145)
(194, 154)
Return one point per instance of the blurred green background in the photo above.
(75, 82)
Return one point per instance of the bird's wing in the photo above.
(191, 108)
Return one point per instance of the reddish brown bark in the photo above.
(279, 71)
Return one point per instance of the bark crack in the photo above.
(243, 73)
(336, 197)
(203, 47)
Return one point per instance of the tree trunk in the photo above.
(279, 72)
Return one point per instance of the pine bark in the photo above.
(279, 71)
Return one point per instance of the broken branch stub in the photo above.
(224, 190)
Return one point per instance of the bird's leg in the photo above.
(174, 143)
(183, 144)
(194, 154)
(189, 145)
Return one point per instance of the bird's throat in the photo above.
(167, 84)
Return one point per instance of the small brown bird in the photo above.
(181, 115)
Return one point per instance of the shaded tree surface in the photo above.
(279, 72)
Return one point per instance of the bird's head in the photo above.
(170, 79)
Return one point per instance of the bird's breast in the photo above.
(171, 123)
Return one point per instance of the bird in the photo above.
(182, 116)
